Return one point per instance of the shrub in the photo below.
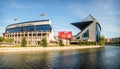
(80, 42)
(9, 40)
(2, 39)
(23, 42)
(61, 43)
(44, 42)
(86, 42)
(102, 40)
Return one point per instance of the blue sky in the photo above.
(62, 13)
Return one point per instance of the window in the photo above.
(78, 37)
(86, 34)
(97, 33)
(30, 28)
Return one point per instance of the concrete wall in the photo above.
(92, 32)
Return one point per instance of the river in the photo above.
(100, 58)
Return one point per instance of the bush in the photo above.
(9, 40)
(86, 42)
(61, 43)
(44, 42)
(102, 40)
(23, 42)
(80, 42)
(2, 39)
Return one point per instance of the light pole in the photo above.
(43, 15)
(16, 19)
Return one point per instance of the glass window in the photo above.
(86, 34)
(30, 28)
(97, 33)
(43, 28)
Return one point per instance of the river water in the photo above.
(102, 58)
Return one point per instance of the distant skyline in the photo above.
(63, 13)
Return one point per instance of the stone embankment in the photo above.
(28, 49)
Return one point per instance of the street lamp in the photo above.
(16, 19)
(43, 15)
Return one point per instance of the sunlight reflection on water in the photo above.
(104, 58)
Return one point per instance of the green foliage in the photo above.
(93, 43)
(2, 39)
(44, 42)
(102, 40)
(80, 42)
(86, 42)
(61, 43)
(23, 42)
(9, 40)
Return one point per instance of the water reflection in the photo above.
(104, 58)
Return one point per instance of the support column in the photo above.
(32, 37)
(28, 39)
(17, 38)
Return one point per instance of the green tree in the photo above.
(102, 41)
(44, 42)
(61, 43)
(2, 39)
(9, 40)
(86, 42)
(23, 42)
(80, 42)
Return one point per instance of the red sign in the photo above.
(65, 34)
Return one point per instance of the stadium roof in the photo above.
(82, 25)
(29, 22)
(86, 22)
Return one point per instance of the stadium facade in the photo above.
(90, 29)
(34, 31)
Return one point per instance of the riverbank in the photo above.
(29, 49)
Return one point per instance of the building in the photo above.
(113, 40)
(90, 29)
(34, 31)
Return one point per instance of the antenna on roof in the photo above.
(42, 14)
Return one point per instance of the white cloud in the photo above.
(114, 12)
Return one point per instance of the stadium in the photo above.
(89, 29)
(33, 31)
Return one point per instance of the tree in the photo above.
(23, 42)
(80, 42)
(9, 40)
(102, 41)
(61, 43)
(2, 39)
(44, 42)
(86, 42)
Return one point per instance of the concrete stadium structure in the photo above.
(90, 29)
(34, 31)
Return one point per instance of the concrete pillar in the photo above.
(17, 38)
(32, 38)
(28, 39)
